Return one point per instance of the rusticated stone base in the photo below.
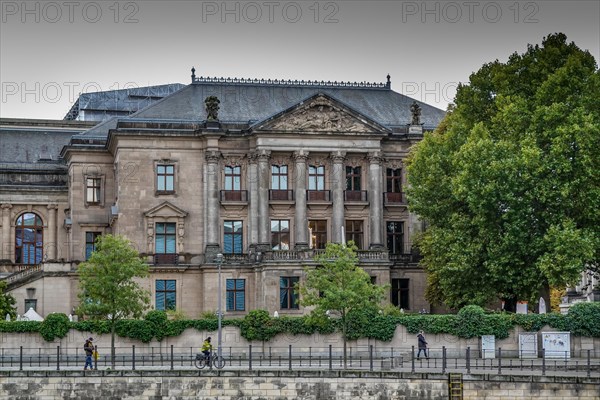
(280, 385)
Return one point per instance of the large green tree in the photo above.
(108, 287)
(509, 182)
(7, 303)
(339, 288)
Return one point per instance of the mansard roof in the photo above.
(248, 101)
(35, 141)
(100, 106)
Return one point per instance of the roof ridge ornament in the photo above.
(290, 82)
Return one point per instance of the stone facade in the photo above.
(267, 188)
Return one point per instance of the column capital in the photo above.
(212, 156)
(375, 157)
(262, 155)
(338, 156)
(52, 206)
(300, 155)
(6, 206)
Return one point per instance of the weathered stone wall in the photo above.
(230, 385)
(192, 338)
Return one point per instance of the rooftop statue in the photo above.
(212, 108)
(415, 110)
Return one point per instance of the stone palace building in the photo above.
(264, 172)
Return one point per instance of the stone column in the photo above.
(264, 221)
(213, 206)
(375, 200)
(301, 220)
(253, 200)
(5, 253)
(50, 251)
(338, 184)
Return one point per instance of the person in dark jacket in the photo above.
(88, 347)
(422, 345)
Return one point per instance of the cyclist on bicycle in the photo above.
(206, 348)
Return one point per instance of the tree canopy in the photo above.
(7, 303)
(108, 289)
(508, 183)
(339, 288)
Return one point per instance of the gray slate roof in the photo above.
(23, 142)
(248, 103)
(99, 106)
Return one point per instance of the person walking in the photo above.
(88, 347)
(422, 345)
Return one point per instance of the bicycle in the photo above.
(213, 359)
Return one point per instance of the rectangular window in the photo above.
(318, 233)
(165, 240)
(280, 234)
(395, 237)
(233, 237)
(354, 231)
(165, 178)
(353, 178)
(30, 303)
(92, 190)
(393, 180)
(165, 294)
(279, 177)
(316, 177)
(288, 297)
(400, 293)
(233, 178)
(236, 294)
(90, 243)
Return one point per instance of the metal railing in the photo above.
(281, 195)
(234, 195)
(581, 363)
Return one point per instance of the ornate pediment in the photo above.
(320, 114)
(165, 209)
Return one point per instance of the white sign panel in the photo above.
(522, 307)
(488, 346)
(557, 344)
(528, 344)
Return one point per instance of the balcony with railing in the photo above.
(355, 196)
(281, 195)
(311, 254)
(394, 199)
(166, 259)
(318, 196)
(236, 258)
(234, 196)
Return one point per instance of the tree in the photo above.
(7, 303)
(339, 287)
(107, 286)
(509, 182)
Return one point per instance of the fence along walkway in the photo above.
(585, 363)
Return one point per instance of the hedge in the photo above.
(583, 319)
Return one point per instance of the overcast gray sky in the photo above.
(50, 51)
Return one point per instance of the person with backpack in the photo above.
(206, 348)
(88, 347)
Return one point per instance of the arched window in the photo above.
(29, 239)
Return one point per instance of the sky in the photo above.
(50, 51)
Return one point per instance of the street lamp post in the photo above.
(219, 312)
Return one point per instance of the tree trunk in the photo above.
(112, 345)
(345, 341)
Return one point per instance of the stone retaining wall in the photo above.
(280, 385)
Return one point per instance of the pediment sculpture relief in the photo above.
(321, 116)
